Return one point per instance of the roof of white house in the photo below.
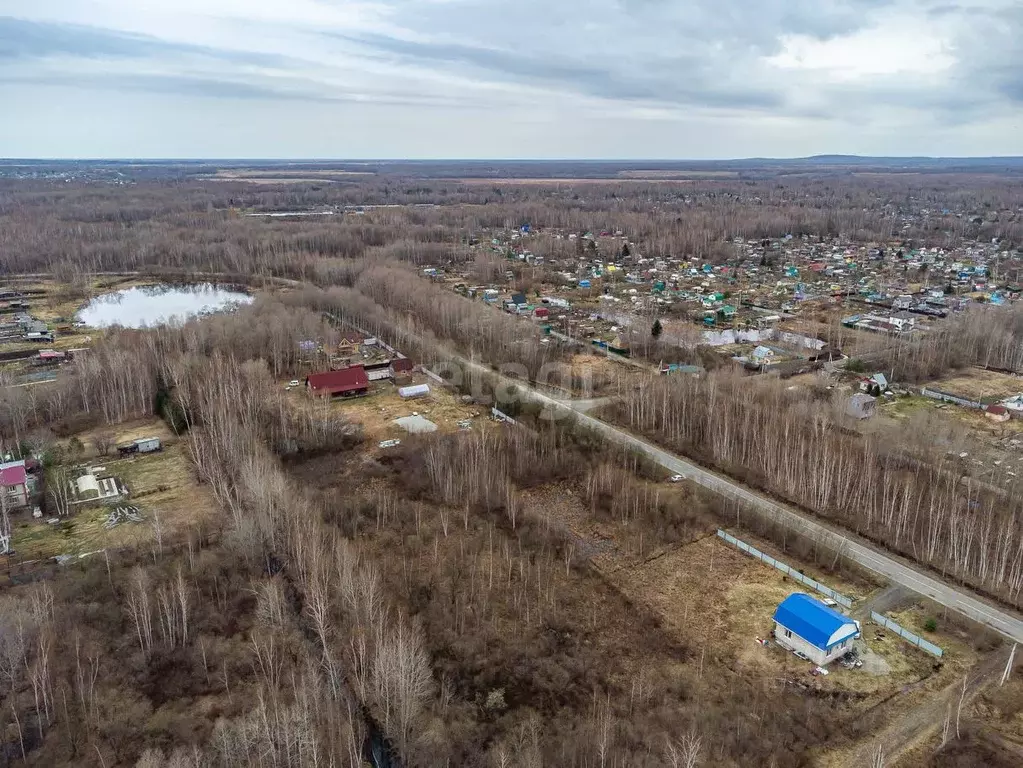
(812, 620)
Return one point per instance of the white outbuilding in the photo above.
(806, 625)
(148, 444)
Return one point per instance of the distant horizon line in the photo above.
(621, 160)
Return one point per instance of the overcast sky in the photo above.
(509, 78)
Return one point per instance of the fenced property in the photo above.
(947, 397)
(813, 584)
(905, 634)
(436, 377)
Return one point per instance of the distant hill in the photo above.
(891, 162)
(476, 170)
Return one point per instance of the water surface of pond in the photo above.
(151, 305)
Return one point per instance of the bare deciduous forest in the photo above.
(419, 607)
(776, 440)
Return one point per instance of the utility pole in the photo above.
(1008, 666)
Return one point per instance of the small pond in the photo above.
(151, 305)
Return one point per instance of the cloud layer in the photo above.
(458, 78)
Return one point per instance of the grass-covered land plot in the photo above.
(161, 485)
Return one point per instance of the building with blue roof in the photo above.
(806, 625)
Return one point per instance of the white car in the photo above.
(676, 478)
(390, 443)
(294, 383)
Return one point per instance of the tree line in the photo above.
(774, 439)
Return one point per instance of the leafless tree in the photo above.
(139, 606)
(401, 679)
(104, 441)
(684, 752)
(58, 489)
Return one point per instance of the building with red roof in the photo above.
(14, 483)
(347, 382)
(401, 370)
(402, 365)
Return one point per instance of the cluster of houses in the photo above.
(21, 326)
(892, 323)
(353, 379)
(756, 284)
(16, 324)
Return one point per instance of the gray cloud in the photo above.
(679, 79)
(23, 40)
(293, 90)
(694, 72)
(174, 84)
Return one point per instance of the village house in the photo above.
(806, 625)
(998, 413)
(350, 343)
(861, 406)
(50, 357)
(401, 370)
(347, 382)
(517, 303)
(876, 384)
(14, 484)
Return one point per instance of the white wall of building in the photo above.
(794, 642)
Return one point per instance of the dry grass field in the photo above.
(574, 182)
(125, 432)
(720, 602)
(669, 175)
(161, 484)
(290, 175)
(376, 411)
(980, 384)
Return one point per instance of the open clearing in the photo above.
(723, 600)
(542, 182)
(980, 384)
(978, 447)
(125, 432)
(272, 180)
(718, 602)
(669, 175)
(599, 376)
(376, 411)
(284, 174)
(161, 484)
